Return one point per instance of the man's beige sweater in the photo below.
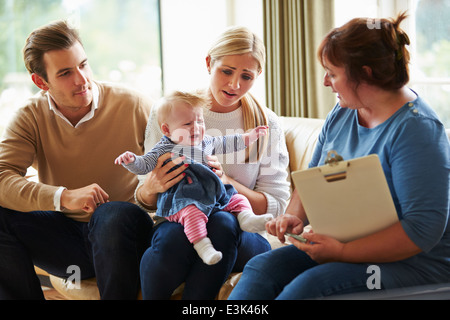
(70, 157)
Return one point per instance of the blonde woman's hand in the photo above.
(160, 179)
(213, 162)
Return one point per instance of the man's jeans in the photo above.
(109, 248)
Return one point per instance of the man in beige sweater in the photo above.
(81, 212)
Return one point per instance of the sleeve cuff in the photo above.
(272, 205)
(57, 198)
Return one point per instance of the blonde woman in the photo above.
(234, 62)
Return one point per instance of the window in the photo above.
(121, 38)
(431, 65)
(188, 29)
(429, 33)
(346, 10)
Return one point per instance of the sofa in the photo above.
(301, 137)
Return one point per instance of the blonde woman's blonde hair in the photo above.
(170, 101)
(236, 41)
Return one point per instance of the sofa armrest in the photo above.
(301, 139)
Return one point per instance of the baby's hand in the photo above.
(261, 131)
(126, 158)
(255, 134)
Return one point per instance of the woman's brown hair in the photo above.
(377, 44)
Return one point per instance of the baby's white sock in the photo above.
(251, 222)
(207, 252)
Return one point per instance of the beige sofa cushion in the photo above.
(301, 138)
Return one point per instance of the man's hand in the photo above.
(86, 199)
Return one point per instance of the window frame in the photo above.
(390, 8)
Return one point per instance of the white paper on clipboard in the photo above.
(346, 200)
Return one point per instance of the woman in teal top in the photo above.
(376, 113)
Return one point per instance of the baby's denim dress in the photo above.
(206, 191)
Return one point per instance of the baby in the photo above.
(191, 201)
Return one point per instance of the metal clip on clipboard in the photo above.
(335, 167)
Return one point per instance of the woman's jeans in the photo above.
(172, 260)
(109, 248)
(288, 273)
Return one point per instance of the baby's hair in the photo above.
(172, 100)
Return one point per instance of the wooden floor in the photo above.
(52, 294)
(49, 292)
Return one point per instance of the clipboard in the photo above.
(346, 200)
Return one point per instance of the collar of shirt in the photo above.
(88, 116)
